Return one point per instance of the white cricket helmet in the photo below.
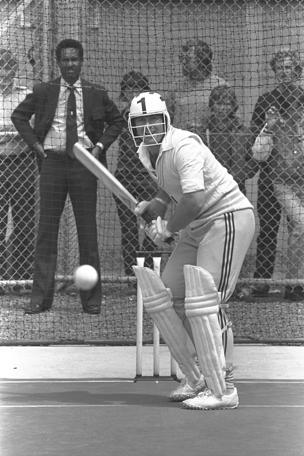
(143, 106)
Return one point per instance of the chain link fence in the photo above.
(224, 67)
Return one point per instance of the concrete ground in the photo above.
(252, 362)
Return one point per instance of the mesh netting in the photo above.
(152, 44)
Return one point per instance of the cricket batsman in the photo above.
(216, 224)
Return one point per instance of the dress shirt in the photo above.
(56, 136)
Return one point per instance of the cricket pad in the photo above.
(157, 300)
(201, 308)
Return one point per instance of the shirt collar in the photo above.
(77, 84)
(144, 156)
(167, 141)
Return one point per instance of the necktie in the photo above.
(71, 122)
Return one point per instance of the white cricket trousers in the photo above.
(219, 246)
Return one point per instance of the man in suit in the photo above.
(66, 110)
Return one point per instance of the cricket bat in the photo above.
(110, 181)
(102, 173)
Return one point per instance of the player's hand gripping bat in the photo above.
(110, 181)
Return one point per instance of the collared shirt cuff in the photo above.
(99, 144)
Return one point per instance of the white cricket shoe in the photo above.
(186, 391)
(206, 400)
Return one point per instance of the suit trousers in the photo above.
(269, 212)
(61, 175)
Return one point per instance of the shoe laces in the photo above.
(206, 392)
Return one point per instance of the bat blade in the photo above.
(102, 173)
(110, 181)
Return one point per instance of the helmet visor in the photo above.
(148, 129)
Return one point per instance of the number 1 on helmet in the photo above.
(149, 119)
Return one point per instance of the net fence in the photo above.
(225, 68)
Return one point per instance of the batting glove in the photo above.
(157, 231)
(141, 207)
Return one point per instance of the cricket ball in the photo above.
(85, 277)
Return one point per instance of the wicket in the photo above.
(140, 261)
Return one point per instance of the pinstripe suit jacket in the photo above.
(98, 109)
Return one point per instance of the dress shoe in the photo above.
(240, 293)
(21, 290)
(294, 294)
(35, 309)
(92, 310)
(260, 291)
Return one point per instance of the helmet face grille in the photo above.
(150, 131)
(151, 108)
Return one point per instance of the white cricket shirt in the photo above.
(185, 165)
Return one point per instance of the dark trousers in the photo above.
(59, 176)
(269, 212)
(130, 238)
(17, 191)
